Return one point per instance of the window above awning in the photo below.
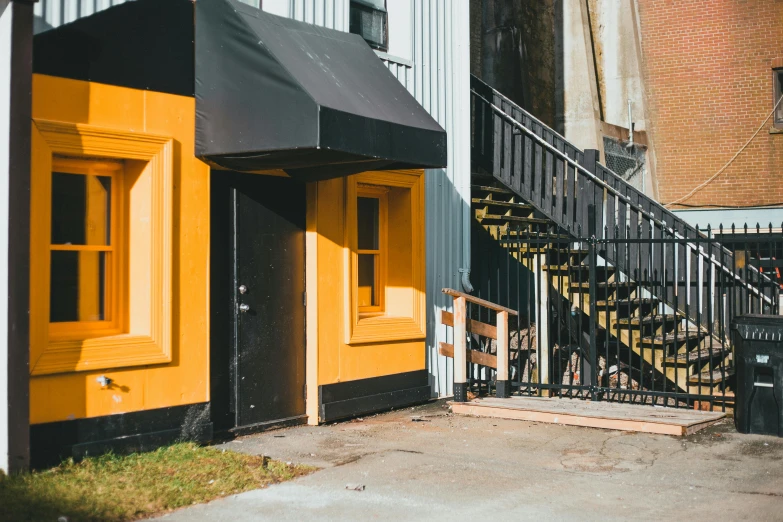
(274, 93)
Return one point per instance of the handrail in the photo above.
(480, 302)
(502, 383)
(520, 109)
(576, 165)
(571, 161)
(625, 199)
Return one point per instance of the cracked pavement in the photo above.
(424, 463)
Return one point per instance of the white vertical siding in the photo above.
(58, 12)
(402, 71)
(325, 13)
(441, 61)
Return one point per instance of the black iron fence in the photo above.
(622, 315)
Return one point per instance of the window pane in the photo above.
(370, 24)
(78, 288)
(368, 216)
(81, 209)
(374, 4)
(778, 93)
(367, 268)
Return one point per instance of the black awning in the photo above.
(274, 93)
(146, 44)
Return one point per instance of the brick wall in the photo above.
(707, 71)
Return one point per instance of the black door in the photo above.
(258, 315)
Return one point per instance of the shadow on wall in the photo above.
(516, 48)
(497, 275)
(446, 210)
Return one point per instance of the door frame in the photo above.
(224, 310)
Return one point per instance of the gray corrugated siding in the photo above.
(439, 80)
(441, 56)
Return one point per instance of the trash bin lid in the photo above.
(759, 327)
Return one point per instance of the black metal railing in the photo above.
(588, 329)
(562, 182)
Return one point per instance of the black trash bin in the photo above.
(758, 348)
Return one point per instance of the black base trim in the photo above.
(503, 389)
(353, 398)
(460, 392)
(147, 430)
(241, 431)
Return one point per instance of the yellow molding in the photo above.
(112, 324)
(311, 309)
(133, 348)
(381, 194)
(360, 329)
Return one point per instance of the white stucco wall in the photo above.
(618, 63)
(580, 110)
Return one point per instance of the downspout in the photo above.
(462, 65)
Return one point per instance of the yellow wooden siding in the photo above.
(185, 380)
(339, 361)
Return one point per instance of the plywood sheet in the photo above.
(625, 417)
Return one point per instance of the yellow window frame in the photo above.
(115, 273)
(381, 265)
(144, 311)
(409, 320)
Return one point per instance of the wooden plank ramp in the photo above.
(578, 412)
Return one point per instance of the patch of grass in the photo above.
(114, 488)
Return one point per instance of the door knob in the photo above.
(244, 307)
(242, 289)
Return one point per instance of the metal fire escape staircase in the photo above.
(659, 286)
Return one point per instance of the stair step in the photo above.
(669, 339)
(705, 354)
(545, 248)
(505, 204)
(496, 219)
(563, 252)
(649, 319)
(577, 268)
(624, 303)
(604, 284)
(711, 376)
(533, 235)
(541, 240)
(495, 190)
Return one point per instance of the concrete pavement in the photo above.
(423, 463)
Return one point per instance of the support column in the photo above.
(16, 38)
(542, 327)
(460, 350)
(502, 386)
